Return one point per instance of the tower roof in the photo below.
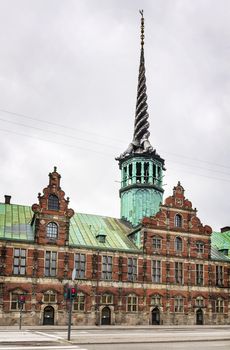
(140, 143)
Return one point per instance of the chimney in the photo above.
(7, 199)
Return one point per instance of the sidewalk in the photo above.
(52, 335)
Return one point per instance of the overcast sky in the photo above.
(68, 80)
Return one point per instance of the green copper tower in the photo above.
(141, 167)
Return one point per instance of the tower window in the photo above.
(53, 202)
(52, 230)
(146, 172)
(130, 174)
(178, 220)
(138, 172)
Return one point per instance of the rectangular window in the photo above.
(50, 264)
(19, 267)
(156, 242)
(132, 303)
(132, 269)
(178, 304)
(179, 272)
(79, 303)
(156, 271)
(219, 305)
(219, 276)
(49, 298)
(14, 305)
(199, 274)
(80, 262)
(107, 267)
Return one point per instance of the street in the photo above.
(116, 338)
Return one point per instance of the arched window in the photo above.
(132, 303)
(178, 220)
(178, 244)
(53, 202)
(52, 230)
(156, 242)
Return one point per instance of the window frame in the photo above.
(49, 263)
(199, 274)
(178, 244)
(178, 304)
(200, 244)
(132, 303)
(80, 265)
(107, 267)
(156, 271)
(219, 305)
(79, 302)
(19, 262)
(50, 231)
(132, 269)
(179, 275)
(156, 300)
(51, 295)
(178, 220)
(53, 202)
(220, 275)
(156, 242)
(107, 298)
(15, 300)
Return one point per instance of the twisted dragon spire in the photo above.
(140, 143)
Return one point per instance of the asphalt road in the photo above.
(115, 338)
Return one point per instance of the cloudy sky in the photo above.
(68, 79)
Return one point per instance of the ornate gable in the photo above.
(51, 214)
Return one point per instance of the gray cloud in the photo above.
(75, 64)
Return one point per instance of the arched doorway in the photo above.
(199, 317)
(156, 316)
(106, 316)
(48, 315)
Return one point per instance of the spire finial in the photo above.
(140, 143)
(142, 28)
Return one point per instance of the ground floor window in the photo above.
(132, 303)
(219, 305)
(79, 302)
(178, 304)
(14, 301)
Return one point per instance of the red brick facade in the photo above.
(171, 278)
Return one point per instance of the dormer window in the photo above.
(178, 220)
(53, 202)
(52, 231)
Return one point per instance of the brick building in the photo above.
(155, 265)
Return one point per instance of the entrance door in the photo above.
(48, 316)
(199, 317)
(156, 316)
(106, 316)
